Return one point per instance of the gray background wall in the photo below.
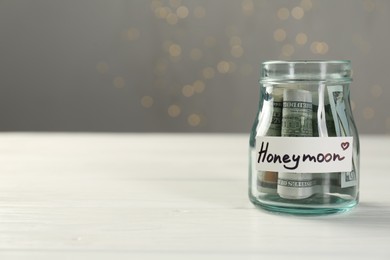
(96, 65)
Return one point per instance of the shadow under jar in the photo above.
(304, 145)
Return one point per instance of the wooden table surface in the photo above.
(169, 196)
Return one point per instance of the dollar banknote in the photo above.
(297, 113)
(296, 121)
(341, 124)
(337, 104)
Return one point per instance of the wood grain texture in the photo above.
(169, 196)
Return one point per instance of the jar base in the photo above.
(307, 206)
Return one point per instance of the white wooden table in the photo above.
(169, 196)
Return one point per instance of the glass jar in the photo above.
(304, 145)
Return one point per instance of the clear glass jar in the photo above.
(304, 145)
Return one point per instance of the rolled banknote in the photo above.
(296, 121)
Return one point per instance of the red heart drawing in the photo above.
(345, 145)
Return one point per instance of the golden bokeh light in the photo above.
(194, 120)
(325, 48)
(133, 34)
(313, 47)
(102, 67)
(288, 50)
(306, 4)
(182, 12)
(297, 12)
(280, 35)
(147, 101)
(376, 91)
(175, 50)
(199, 12)
(162, 12)
(368, 113)
(155, 4)
(119, 82)
(301, 39)
(187, 91)
(237, 51)
(199, 86)
(319, 47)
(208, 73)
(236, 48)
(369, 5)
(196, 54)
(247, 7)
(223, 67)
(174, 110)
(283, 13)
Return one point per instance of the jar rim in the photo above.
(307, 62)
(275, 71)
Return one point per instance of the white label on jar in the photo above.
(304, 154)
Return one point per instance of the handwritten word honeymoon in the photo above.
(301, 154)
(291, 162)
